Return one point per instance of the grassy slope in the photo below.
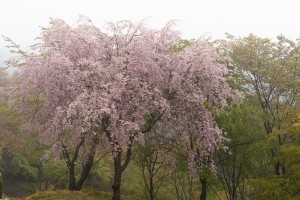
(75, 195)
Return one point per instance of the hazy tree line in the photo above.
(258, 159)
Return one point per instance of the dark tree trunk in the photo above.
(72, 180)
(118, 166)
(116, 187)
(277, 168)
(151, 189)
(119, 169)
(234, 193)
(203, 188)
(71, 167)
(282, 169)
(1, 185)
(86, 168)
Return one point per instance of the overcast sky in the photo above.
(21, 19)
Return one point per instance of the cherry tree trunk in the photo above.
(86, 168)
(204, 189)
(116, 187)
(84, 174)
(72, 179)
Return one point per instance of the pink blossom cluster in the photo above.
(81, 82)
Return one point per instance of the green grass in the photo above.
(74, 195)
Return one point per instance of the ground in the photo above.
(75, 195)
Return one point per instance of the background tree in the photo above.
(269, 71)
(238, 164)
(8, 118)
(155, 159)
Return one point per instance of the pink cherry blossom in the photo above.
(80, 81)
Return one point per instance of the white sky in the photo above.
(21, 19)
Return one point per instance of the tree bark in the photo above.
(283, 169)
(86, 168)
(72, 180)
(151, 189)
(119, 167)
(1, 185)
(71, 164)
(203, 188)
(277, 168)
(116, 187)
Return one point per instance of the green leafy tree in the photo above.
(269, 73)
(238, 164)
(155, 160)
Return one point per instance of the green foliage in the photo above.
(27, 164)
(274, 188)
(21, 167)
(101, 174)
(133, 182)
(54, 173)
(248, 152)
(268, 72)
(182, 44)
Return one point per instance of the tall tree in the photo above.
(270, 72)
(51, 80)
(82, 85)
